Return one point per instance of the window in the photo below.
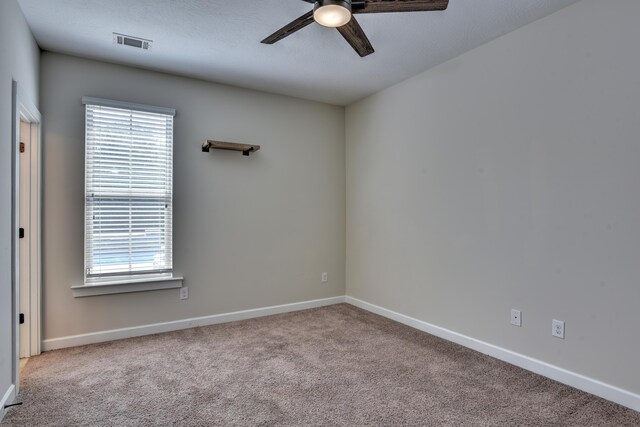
(128, 190)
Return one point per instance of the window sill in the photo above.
(122, 286)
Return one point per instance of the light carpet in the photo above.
(336, 365)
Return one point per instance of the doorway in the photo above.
(25, 253)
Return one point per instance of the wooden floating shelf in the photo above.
(221, 145)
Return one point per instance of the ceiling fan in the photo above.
(339, 14)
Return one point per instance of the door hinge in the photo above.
(21, 318)
(22, 147)
(21, 233)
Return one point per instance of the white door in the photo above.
(25, 215)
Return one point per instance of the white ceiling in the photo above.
(219, 40)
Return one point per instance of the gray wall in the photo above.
(19, 57)
(509, 178)
(248, 231)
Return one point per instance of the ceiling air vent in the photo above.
(136, 42)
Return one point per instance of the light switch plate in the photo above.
(516, 317)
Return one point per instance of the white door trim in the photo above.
(23, 109)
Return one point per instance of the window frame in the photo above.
(125, 281)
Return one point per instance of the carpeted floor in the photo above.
(335, 365)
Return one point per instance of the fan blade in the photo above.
(355, 36)
(290, 28)
(384, 6)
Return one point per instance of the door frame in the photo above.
(24, 110)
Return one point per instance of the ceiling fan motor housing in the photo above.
(344, 3)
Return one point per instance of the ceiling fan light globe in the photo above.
(332, 13)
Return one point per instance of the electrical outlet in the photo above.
(516, 317)
(184, 293)
(557, 328)
(325, 277)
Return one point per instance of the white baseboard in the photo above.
(8, 398)
(581, 382)
(136, 331)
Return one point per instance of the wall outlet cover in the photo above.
(557, 328)
(325, 277)
(184, 293)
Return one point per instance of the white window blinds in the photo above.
(128, 189)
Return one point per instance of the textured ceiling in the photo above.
(219, 40)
